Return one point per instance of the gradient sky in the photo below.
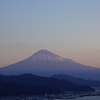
(69, 28)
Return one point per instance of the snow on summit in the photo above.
(44, 55)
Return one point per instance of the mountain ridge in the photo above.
(29, 84)
(78, 81)
(45, 63)
(45, 55)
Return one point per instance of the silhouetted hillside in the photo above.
(28, 84)
(7, 89)
(78, 81)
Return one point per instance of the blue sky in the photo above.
(69, 28)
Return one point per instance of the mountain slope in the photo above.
(44, 55)
(29, 84)
(46, 63)
(78, 81)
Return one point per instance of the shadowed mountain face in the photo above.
(46, 63)
(78, 81)
(28, 84)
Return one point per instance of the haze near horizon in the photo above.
(68, 28)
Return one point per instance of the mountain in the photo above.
(78, 81)
(44, 55)
(28, 84)
(46, 63)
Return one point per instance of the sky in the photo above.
(68, 28)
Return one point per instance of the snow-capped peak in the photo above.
(45, 55)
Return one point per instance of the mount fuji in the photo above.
(46, 63)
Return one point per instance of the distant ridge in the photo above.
(78, 81)
(46, 63)
(28, 84)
